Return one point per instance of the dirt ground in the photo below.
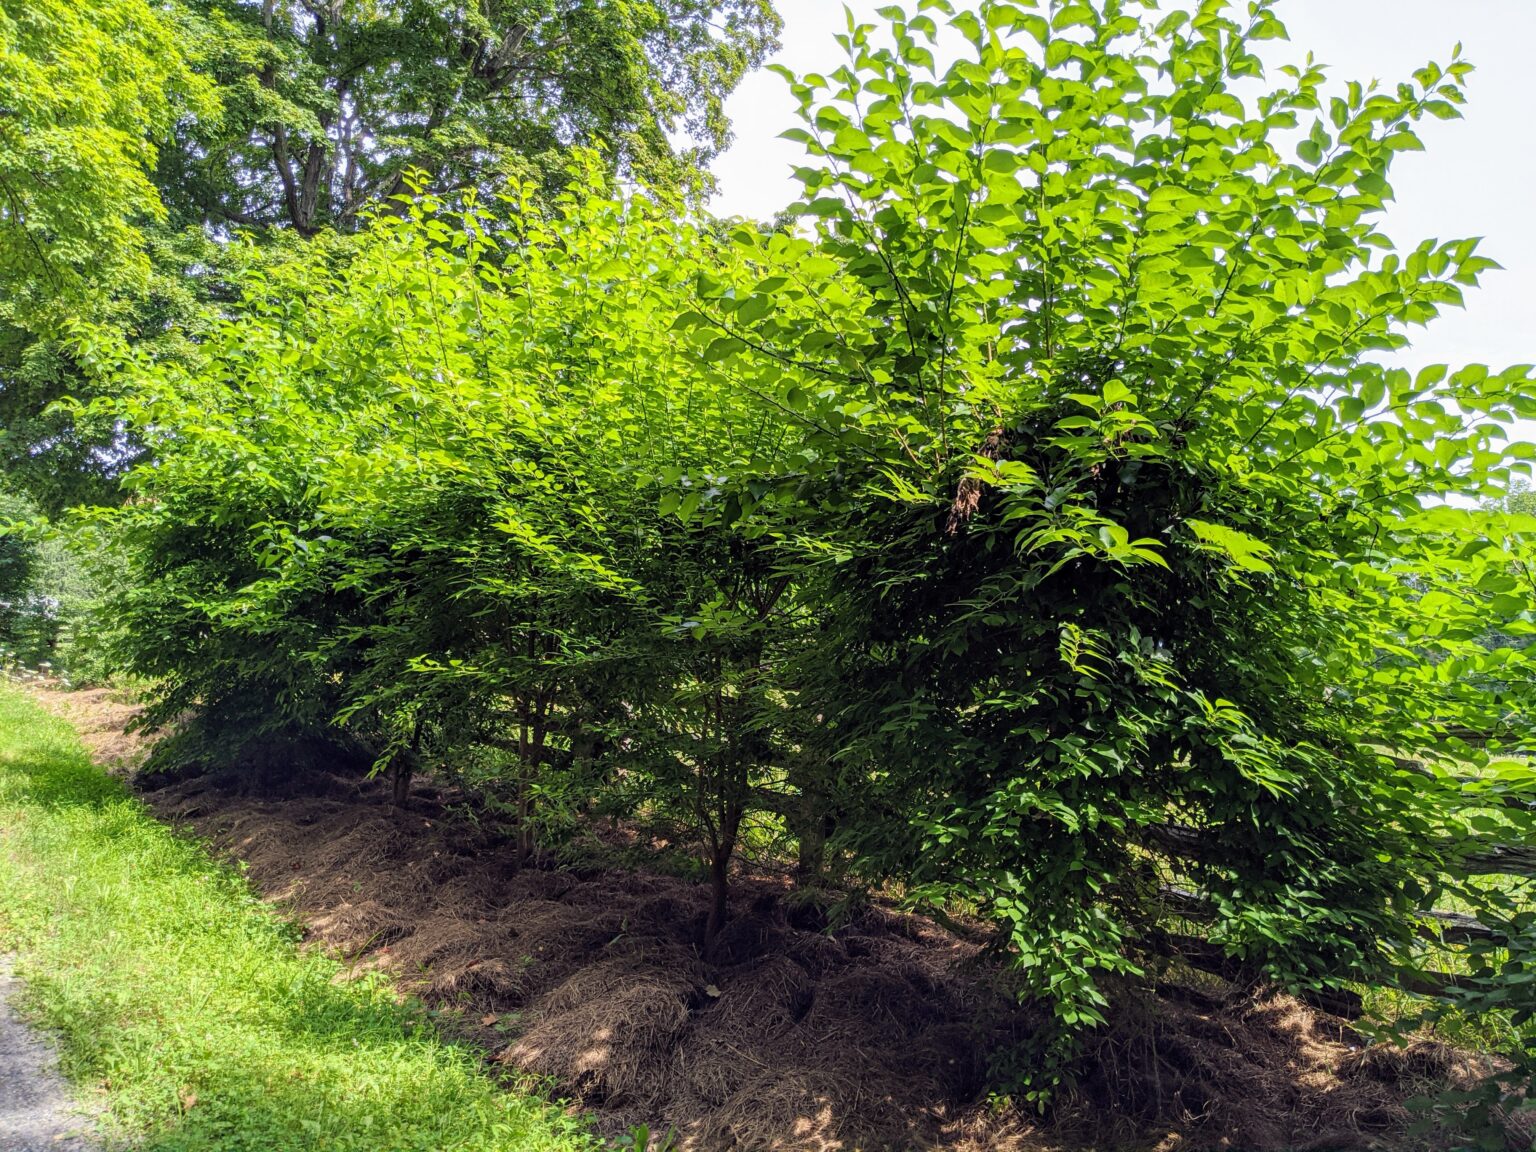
(876, 1035)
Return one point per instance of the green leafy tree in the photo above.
(49, 584)
(307, 527)
(1141, 557)
(18, 565)
(328, 105)
(87, 90)
(59, 455)
(134, 140)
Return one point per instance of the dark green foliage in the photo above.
(327, 106)
(51, 585)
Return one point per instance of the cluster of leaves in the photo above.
(86, 91)
(327, 104)
(1036, 527)
(51, 582)
(137, 139)
(18, 556)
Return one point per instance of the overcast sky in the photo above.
(1477, 176)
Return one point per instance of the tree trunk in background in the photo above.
(525, 843)
(722, 847)
(811, 837)
(719, 896)
(400, 774)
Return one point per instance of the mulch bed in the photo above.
(876, 1035)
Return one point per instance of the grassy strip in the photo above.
(186, 1000)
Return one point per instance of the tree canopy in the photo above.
(327, 105)
(87, 91)
(137, 140)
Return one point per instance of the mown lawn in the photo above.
(186, 1007)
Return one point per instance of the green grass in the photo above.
(187, 1008)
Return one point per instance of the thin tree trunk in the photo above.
(403, 766)
(811, 856)
(520, 817)
(524, 822)
(808, 818)
(722, 848)
(400, 774)
(719, 897)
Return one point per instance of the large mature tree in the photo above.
(329, 102)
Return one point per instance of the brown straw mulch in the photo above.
(877, 1035)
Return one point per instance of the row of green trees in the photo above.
(51, 584)
(1028, 525)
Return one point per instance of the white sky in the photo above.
(1476, 177)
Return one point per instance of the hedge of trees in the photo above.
(1028, 521)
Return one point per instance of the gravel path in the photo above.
(37, 1113)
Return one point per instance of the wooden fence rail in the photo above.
(1484, 858)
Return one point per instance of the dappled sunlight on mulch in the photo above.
(875, 1035)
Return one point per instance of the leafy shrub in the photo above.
(18, 562)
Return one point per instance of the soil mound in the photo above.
(878, 1035)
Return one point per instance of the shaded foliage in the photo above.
(327, 105)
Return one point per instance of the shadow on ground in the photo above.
(879, 1034)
